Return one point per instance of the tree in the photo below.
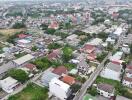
(44, 26)
(67, 54)
(75, 87)
(18, 74)
(130, 48)
(19, 25)
(103, 35)
(54, 46)
(101, 56)
(34, 48)
(42, 63)
(50, 31)
(93, 91)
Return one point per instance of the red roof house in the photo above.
(68, 79)
(60, 70)
(54, 25)
(91, 56)
(55, 54)
(22, 36)
(88, 48)
(30, 66)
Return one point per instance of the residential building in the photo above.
(117, 56)
(59, 89)
(22, 60)
(83, 67)
(127, 80)
(105, 90)
(47, 77)
(54, 25)
(54, 55)
(60, 70)
(68, 79)
(112, 71)
(96, 42)
(88, 48)
(9, 84)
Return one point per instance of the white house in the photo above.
(59, 89)
(8, 84)
(23, 42)
(125, 48)
(105, 90)
(112, 71)
(110, 40)
(117, 56)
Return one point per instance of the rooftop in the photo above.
(61, 84)
(23, 59)
(60, 70)
(114, 67)
(106, 87)
(68, 79)
(8, 82)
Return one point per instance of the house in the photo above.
(117, 56)
(31, 67)
(125, 48)
(54, 55)
(83, 67)
(21, 36)
(91, 56)
(72, 37)
(73, 40)
(96, 42)
(23, 43)
(127, 79)
(22, 60)
(88, 48)
(127, 39)
(47, 77)
(59, 89)
(9, 84)
(73, 72)
(112, 71)
(110, 40)
(105, 90)
(60, 70)
(118, 31)
(68, 79)
(54, 25)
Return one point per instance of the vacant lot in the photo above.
(31, 92)
(9, 32)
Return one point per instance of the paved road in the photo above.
(89, 82)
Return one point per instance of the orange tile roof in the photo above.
(68, 79)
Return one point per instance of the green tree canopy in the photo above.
(19, 25)
(18, 74)
(67, 53)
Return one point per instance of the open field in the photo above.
(9, 32)
(31, 92)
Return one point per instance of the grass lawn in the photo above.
(108, 81)
(5, 33)
(88, 97)
(31, 92)
(20, 55)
